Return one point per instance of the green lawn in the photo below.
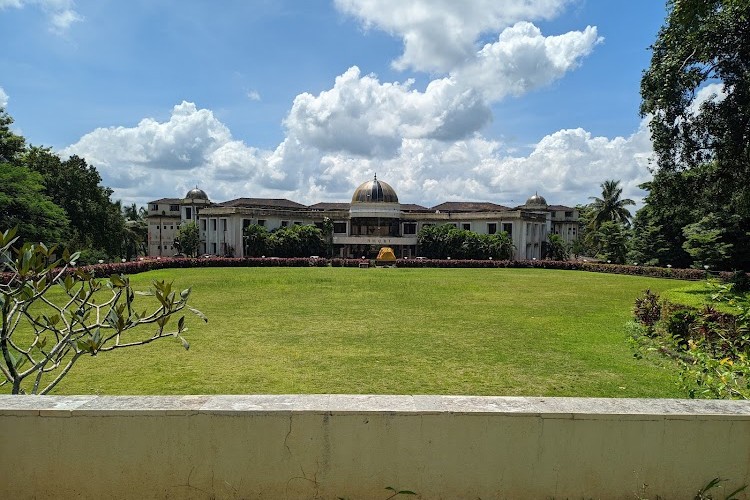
(391, 331)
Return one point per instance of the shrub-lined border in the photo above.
(150, 264)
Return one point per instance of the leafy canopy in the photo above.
(696, 93)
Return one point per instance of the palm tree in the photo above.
(610, 207)
(136, 231)
(130, 212)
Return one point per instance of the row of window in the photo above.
(172, 208)
(409, 228)
(154, 207)
(213, 224)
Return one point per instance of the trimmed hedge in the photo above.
(151, 264)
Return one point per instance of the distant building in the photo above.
(373, 219)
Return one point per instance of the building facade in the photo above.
(373, 219)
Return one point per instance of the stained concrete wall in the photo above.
(274, 447)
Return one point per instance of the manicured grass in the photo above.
(697, 295)
(391, 331)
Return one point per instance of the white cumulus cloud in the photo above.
(362, 116)
(569, 163)
(164, 158)
(3, 98)
(440, 35)
(523, 59)
(365, 117)
(566, 167)
(159, 159)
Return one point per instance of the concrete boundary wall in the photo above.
(353, 447)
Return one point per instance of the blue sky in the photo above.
(473, 100)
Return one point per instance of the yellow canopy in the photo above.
(386, 254)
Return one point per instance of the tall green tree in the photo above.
(705, 242)
(296, 241)
(649, 245)
(188, 239)
(134, 212)
(696, 93)
(24, 205)
(612, 242)
(611, 207)
(328, 235)
(11, 144)
(446, 240)
(557, 248)
(255, 238)
(135, 235)
(96, 221)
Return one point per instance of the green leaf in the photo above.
(162, 322)
(185, 343)
(198, 313)
(117, 281)
(40, 342)
(161, 299)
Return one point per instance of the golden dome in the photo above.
(375, 191)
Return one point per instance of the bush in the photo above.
(91, 256)
(647, 309)
(740, 282)
(710, 347)
(150, 263)
(678, 323)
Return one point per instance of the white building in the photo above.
(374, 218)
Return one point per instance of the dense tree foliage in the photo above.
(297, 241)
(444, 241)
(188, 239)
(11, 145)
(293, 241)
(697, 95)
(96, 221)
(256, 241)
(55, 200)
(649, 245)
(703, 241)
(24, 205)
(612, 242)
(135, 238)
(557, 249)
